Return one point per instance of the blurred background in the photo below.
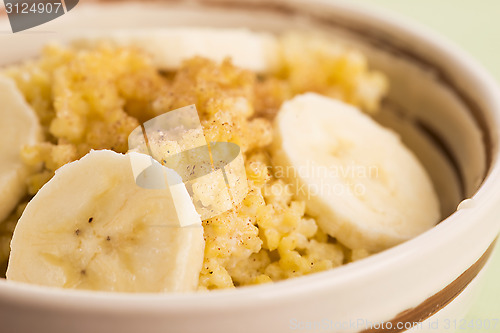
(475, 26)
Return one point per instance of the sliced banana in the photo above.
(170, 47)
(362, 184)
(19, 126)
(92, 227)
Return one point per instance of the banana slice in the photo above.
(92, 227)
(19, 126)
(362, 184)
(169, 47)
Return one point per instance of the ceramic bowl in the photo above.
(446, 108)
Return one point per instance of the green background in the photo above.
(475, 26)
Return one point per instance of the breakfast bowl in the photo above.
(444, 107)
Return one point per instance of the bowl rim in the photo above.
(243, 297)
